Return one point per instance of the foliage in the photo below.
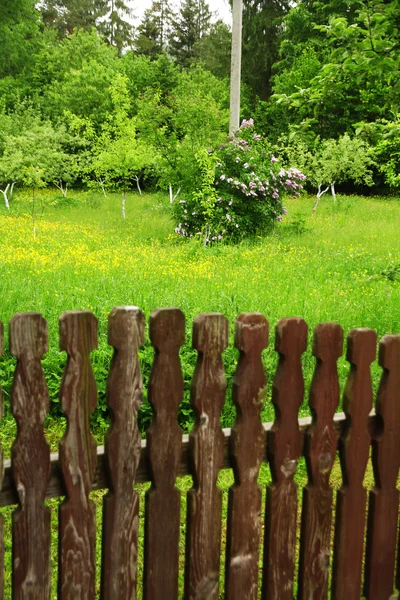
(238, 191)
(189, 26)
(193, 117)
(332, 161)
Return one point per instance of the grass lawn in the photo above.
(326, 267)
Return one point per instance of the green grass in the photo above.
(326, 267)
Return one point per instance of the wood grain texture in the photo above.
(203, 532)
(1, 477)
(284, 450)
(122, 446)
(55, 488)
(77, 527)
(30, 457)
(320, 451)
(354, 453)
(384, 498)
(247, 451)
(164, 442)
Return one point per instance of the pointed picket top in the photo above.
(284, 450)
(77, 536)
(1, 475)
(30, 458)
(247, 450)
(203, 540)
(164, 443)
(320, 452)
(354, 453)
(122, 444)
(384, 498)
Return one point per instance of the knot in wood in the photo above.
(325, 462)
(289, 467)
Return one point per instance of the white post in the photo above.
(236, 64)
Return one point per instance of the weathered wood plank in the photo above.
(320, 450)
(284, 450)
(122, 446)
(1, 476)
(354, 453)
(77, 528)
(164, 441)
(56, 487)
(384, 498)
(30, 460)
(247, 451)
(203, 533)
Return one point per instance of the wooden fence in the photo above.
(33, 474)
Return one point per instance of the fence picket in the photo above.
(203, 536)
(384, 498)
(77, 535)
(1, 476)
(284, 450)
(122, 446)
(164, 442)
(354, 452)
(30, 460)
(320, 452)
(247, 449)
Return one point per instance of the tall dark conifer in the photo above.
(189, 26)
(153, 31)
(262, 24)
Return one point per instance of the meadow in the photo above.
(341, 264)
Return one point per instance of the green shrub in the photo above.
(239, 190)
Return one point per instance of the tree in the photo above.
(262, 24)
(332, 162)
(67, 16)
(119, 156)
(19, 29)
(213, 50)
(358, 79)
(148, 38)
(190, 25)
(154, 29)
(117, 29)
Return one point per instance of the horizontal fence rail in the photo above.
(366, 524)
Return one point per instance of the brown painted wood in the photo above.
(55, 488)
(77, 527)
(30, 456)
(384, 498)
(284, 450)
(203, 533)
(164, 442)
(320, 451)
(1, 476)
(247, 451)
(354, 453)
(122, 446)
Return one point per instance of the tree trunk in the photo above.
(4, 192)
(319, 194)
(123, 204)
(137, 184)
(333, 191)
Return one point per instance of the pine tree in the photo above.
(117, 29)
(191, 23)
(148, 39)
(69, 15)
(154, 29)
(262, 24)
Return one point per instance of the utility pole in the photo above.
(236, 64)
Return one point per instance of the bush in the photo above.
(239, 190)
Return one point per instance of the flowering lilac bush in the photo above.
(240, 190)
